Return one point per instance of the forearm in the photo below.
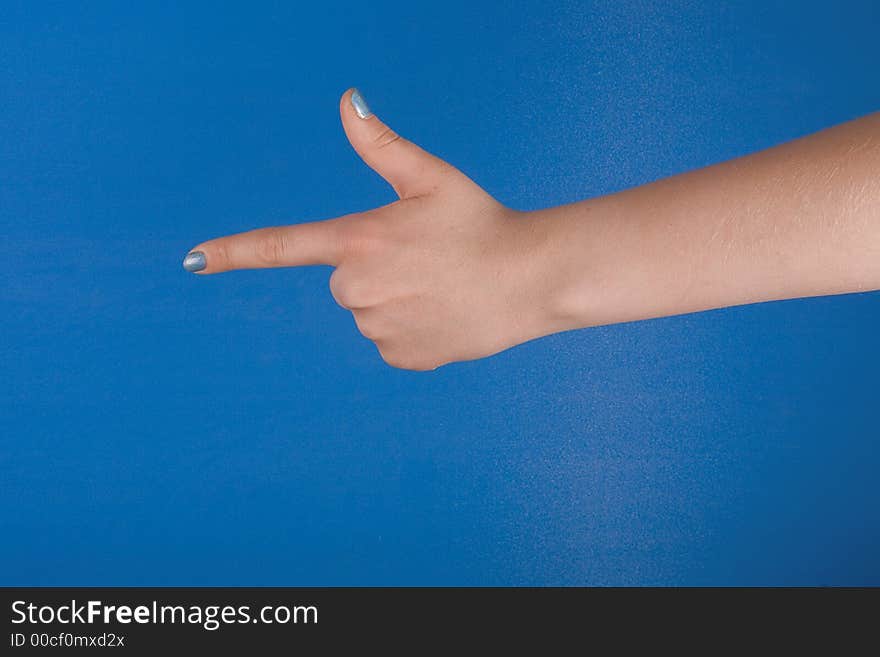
(801, 219)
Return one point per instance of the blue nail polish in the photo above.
(195, 261)
(360, 105)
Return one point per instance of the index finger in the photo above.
(315, 243)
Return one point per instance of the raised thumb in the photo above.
(410, 170)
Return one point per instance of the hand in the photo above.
(444, 274)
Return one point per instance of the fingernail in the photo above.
(360, 105)
(195, 261)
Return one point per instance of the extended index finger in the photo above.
(316, 243)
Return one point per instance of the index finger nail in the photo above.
(195, 261)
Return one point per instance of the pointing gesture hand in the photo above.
(446, 273)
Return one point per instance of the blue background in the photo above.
(159, 428)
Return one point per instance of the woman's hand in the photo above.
(447, 273)
(444, 274)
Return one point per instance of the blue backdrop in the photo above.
(160, 428)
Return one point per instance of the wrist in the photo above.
(555, 276)
(603, 263)
(573, 275)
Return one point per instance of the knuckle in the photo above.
(349, 292)
(404, 361)
(393, 359)
(338, 288)
(270, 246)
(385, 137)
(359, 294)
(368, 327)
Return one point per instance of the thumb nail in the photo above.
(360, 105)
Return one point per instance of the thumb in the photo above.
(407, 168)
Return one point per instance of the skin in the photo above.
(447, 273)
